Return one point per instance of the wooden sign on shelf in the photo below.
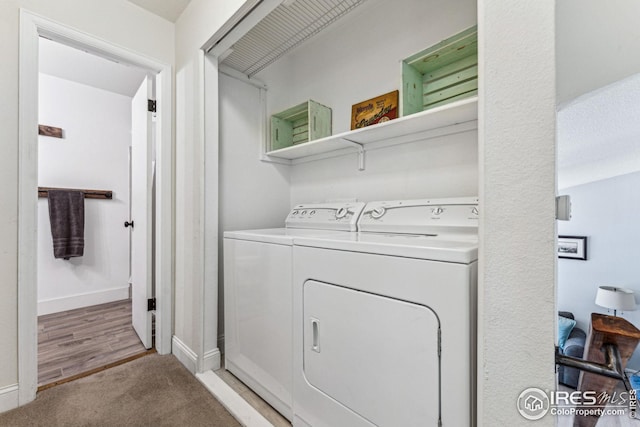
(375, 110)
(50, 131)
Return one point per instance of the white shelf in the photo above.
(402, 130)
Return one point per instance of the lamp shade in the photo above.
(616, 298)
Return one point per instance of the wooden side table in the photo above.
(603, 330)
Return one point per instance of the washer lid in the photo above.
(280, 236)
(457, 248)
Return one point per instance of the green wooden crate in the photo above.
(302, 123)
(443, 73)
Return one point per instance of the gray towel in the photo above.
(66, 214)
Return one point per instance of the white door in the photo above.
(141, 180)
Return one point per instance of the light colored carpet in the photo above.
(151, 391)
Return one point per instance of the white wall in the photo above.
(440, 167)
(516, 276)
(59, 60)
(94, 154)
(196, 230)
(253, 194)
(358, 58)
(146, 34)
(607, 213)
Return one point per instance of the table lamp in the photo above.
(615, 298)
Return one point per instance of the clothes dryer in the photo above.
(258, 297)
(385, 319)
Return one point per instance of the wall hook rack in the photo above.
(88, 194)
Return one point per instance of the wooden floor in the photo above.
(82, 340)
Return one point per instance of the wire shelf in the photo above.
(283, 29)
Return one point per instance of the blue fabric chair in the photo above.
(573, 347)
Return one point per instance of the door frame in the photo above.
(33, 26)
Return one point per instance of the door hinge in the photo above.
(151, 304)
(151, 105)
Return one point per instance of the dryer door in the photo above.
(373, 355)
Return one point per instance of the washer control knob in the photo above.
(437, 211)
(341, 213)
(294, 213)
(378, 212)
(303, 213)
(475, 211)
(312, 213)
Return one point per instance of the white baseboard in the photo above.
(236, 405)
(71, 302)
(8, 397)
(189, 358)
(184, 354)
(211, 360)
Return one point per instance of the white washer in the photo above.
(258, 297)
(385, 319)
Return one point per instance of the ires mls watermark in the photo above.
(534, 403)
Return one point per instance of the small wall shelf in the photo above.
(50, 131)
(399, 131)
(300, 124)
(441, 74)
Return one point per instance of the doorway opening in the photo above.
(32, 27)
(598, 167)
(88, 107)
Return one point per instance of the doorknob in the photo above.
(127, 224)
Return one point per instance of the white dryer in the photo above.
(385, 319)
(258, 297)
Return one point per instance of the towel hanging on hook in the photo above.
(66, 214)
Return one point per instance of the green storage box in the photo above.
(441, 74)
(300, 124)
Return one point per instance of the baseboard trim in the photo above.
(56, 305)
(267, 395)
(9, 397)
(236, 405)
(211, 360)
(184, 354)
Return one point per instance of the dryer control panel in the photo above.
(425, 216)
(325, 216)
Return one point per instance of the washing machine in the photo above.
(258, 297)
(385, 319)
